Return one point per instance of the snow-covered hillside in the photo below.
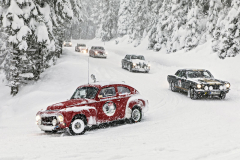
(174, 128)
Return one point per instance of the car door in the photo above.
(107, 105)
(125, 61)
(178, 83)
(184, 80)
(124, 94)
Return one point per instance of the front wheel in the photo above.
(130, 68)
(172, 86)
(136, 115)
(77, 126)
(193, 94)
(222, 95)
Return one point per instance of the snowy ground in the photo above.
(175, 127)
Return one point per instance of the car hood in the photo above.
(138, 61)
(209, 81)
(70, 103)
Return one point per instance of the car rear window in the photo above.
(123, 90)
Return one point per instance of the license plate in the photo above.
(215, 92)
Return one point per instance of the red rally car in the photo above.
(93, 104)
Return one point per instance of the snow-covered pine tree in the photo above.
(109, 19)
(229, 39)
(37, 24)
(140, 21)
(214, 9)
(14, 17)
(153, 11)
(123, 17)
(161, 32)
(192, 27)
(177, 35)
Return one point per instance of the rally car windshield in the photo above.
(137, 57)
(85, 93)
(82, 45)
(199, 74)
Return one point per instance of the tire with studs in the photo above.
(78, 125)
(193, 94)
(136, 115)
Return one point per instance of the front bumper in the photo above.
(141, 69)
(50, 122)
(101, 55)
(212, 92)
(47, 128)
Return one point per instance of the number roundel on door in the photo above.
(179, 83)
(109, 108)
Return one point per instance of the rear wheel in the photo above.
(193, 94)
(136, 115)
(78, 125)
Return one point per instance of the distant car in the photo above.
(198, 83)
(135, 63)
(67, 44)
(93, 104)
(98, 51)
(81, 48)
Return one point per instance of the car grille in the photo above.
(48, 120)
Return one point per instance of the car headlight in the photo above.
(38, 117)
(206, 88)
(70, 43)
(211, 88)
(149, 65)
(106, 52)
(199, 86)
(221, 87)
(227, 85)
(134, 64)
(96, 52)
(60, 118)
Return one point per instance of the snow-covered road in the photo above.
(174, 128)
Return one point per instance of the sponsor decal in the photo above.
(179, 83)
(109, 108)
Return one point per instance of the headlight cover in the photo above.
(228, 85)
(211, 88)
(206, 87)
(199, 86)
(60, 118)
(38, 117)
(221, 87)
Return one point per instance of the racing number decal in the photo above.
(109, 108)
(179, 83)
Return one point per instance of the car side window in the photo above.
(178, 73)
(183, 74)
(128, 57)
(108, 92)
(123, 90)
